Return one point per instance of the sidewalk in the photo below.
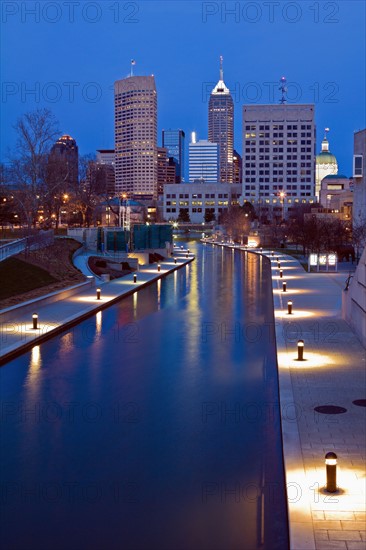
(17, 333)
(333, 373)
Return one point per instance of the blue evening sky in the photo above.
(69, 53)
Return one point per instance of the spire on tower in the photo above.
(221, 69)
(326, 130)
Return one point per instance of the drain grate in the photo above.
(330, 409)
(360, 402)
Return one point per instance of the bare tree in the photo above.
(36, 133)
(236, 222)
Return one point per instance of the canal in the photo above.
(154, 424)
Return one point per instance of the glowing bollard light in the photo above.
(277, 258)
(331, 470)
(98, 293)
(281, 273)
(278, 265)
(284, 286)
(182, 247)
(35, 321)
(159, 267)
(261, 250)
(187, 255)
(300, 350)
(289, 307)
(272, 253)
(175, 260)
(134, 278)
(188, 251)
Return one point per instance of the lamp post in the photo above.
(35, 321)
(331, 471)
(300, 350)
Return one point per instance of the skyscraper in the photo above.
(173, 141)
(66, 151)
(221, 126)
(135, 103)
(204, 162)
(278, 155)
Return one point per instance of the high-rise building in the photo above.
(66, 151)
(166, 169)
(278, 155)
(135, 103)
(326, 164)
(204, 161)
(174, 142)
(105, 161)
(221, 126)
(237, 164)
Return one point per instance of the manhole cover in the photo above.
(360, 402)
(330, 409)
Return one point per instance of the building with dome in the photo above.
(325, 164)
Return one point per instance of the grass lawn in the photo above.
(17, 277)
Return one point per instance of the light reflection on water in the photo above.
(157, 405)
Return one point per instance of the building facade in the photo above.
(174, 142)
(359, 179)
(198, 199)
(278, 156)
(66, 152)
(166, 169)
(238, 167)
(105, 159)
(326, 164)
(221, 126)
(204, 162)
(135, 101)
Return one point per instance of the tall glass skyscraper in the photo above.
(173, 141)
(204, 162)
(221, 126)
(135, 109)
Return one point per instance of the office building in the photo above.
(204, 162)
(237, 165)
(221, 126)
(278, 156)
(197, 200)
(166, 169)
(65, 151)
(174, 142)
(359, 179)
(135, 100)
(105, 161)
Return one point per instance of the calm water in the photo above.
(154, 424)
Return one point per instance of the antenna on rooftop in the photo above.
(283, 90)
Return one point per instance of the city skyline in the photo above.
(81, 93)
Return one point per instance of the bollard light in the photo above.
(175, 260)
(277, 258)
(158, 267)
(300, 350)
(134, 278)
(182, 247)
(278, 265)
(187, 256)
(98, 293)
(281, 273)
(331, 471)
(35, 321)
(261, 250)
(188, 250)
(272, 253)
(284, 286)
(289, 307)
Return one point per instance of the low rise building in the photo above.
(199, 199)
